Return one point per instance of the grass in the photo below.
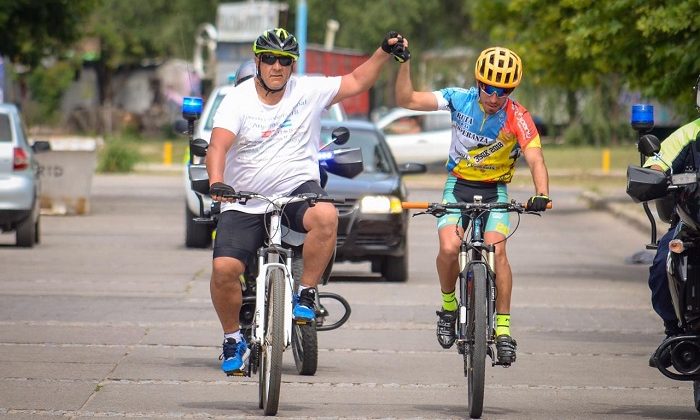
(581, 166)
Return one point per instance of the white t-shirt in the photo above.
(276, 146)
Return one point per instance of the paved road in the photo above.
(110, 317)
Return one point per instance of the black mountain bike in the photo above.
(475, 329)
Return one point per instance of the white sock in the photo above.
(302, 287)
(235, 335)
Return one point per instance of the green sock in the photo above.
(449, 302)
(502, 324)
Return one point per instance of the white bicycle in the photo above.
(272, 323)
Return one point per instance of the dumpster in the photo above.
(66, 174)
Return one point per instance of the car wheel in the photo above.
(395, 269)
(26, 233)
(37, 236)
(196, 236)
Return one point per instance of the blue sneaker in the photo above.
(235, 356)
(304, 304)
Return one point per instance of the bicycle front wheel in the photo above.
(477, 330)
(273, 343)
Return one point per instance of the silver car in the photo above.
(19, 179)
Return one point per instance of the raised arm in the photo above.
(366, 74)
(407, 97)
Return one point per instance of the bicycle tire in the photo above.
(477, 329)
(305, 348)
(304, 337)
(273, 343)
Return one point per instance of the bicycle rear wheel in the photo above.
(477, 330)
(305, 348)
(304, 337)
(270, 372)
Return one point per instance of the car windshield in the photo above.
(374, 157)
(209, 123)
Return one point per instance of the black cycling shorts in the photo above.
(239, 235)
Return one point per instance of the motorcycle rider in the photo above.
(489, 131)
(677, 152)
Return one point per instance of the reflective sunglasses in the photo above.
(271, 59)
(491, 90)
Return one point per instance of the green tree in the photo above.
(579, 45)
(131, 32)
(428, 25)
(33, 30)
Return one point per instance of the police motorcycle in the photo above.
(676, 195)
(332, 310)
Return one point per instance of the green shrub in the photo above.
(117, 156)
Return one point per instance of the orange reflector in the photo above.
(676, 246)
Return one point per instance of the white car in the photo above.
(417, 136)
(200, 235)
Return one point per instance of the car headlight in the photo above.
(380, 204)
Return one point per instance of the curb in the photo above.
(625, 209)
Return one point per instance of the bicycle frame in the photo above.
(471, 252)
(269, 258)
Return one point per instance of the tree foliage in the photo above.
(33, 30)
(648, 45)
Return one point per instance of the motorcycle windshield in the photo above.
(644, 184)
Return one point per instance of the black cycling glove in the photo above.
(222, 190)
(538, 202)
(398, 51)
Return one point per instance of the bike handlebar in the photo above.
(310, 198)
(437, 207)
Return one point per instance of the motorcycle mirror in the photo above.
(180, 126)
(199, 147)
(648, 145)
(340, 135)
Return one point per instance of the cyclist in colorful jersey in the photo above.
(490, 131)
(676, 151)
(265, 139)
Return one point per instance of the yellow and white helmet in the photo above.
(499, 67)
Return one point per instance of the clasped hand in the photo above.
(222, 192)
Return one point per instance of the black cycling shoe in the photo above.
(505, 349)
(446, 328)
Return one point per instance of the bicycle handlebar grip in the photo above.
(549, 205)
(336, 200)
(421, 205)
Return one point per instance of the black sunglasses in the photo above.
(271, 59)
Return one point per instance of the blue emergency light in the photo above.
(642, 117)
(191, 108)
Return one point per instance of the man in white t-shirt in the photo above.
(265, 139)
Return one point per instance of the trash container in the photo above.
(66, 174)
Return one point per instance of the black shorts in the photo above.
(239, 234)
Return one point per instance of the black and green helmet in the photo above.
(277, 41)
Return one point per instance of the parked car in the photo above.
(20, 185)
(372, 226)
(417, 136)
(200, 235)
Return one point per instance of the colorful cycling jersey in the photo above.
(485, 146)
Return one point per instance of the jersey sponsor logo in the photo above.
(488, 152)
(466, 119)
(520, 121)
(473, 139)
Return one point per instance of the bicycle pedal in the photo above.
(302, 322)
(237, 373)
